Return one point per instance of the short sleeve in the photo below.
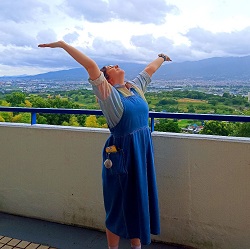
(142, 80)
(109, 100)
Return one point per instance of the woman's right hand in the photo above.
(58, 44)
(89, 64)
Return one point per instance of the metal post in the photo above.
(33, 118)
(152, 124)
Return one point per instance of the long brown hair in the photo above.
(104, 70)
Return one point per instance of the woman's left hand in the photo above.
(165, 57)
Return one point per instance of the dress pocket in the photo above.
(118, 163)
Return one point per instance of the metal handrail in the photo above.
(152, 115)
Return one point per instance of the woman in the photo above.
(129, 182)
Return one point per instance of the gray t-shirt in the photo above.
(109, 97)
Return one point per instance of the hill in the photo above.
(221, 68)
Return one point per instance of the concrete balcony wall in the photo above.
(204, 187)
(54, 173)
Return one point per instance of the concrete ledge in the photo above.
(54, 173)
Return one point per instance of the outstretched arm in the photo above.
(152, 67)
(89, 64)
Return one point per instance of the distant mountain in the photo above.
(237, 68)
(234, 68)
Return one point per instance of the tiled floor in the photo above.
(11, 243)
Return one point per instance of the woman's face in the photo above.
(113, 74)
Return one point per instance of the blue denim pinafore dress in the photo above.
(129, 186)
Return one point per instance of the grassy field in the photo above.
(192, 101)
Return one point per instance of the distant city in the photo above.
(52, 86)
(214, 75)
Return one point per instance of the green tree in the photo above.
(213, 102)
(27, 103)
(64, 123)
(102, 121)
(191, 109)
(215, 128)
(16, 98)
(226, 95)
(81, 119)
(22, 118)
(91, 121)
(41, 119)
(167, 125)
(73, 121)
(37, 101)
(4, 103)
(7, 116)
(54, 102)
(243, 130)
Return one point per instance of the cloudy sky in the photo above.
(131, 30)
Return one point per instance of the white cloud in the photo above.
(71, 37)
(235, 43)
(141, 11)
(93, 11)
(21, 11)
(130, 10)
(48, 35)
(120, 31)
(11, 34)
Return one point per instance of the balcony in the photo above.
(40, 234)
(53, 174)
